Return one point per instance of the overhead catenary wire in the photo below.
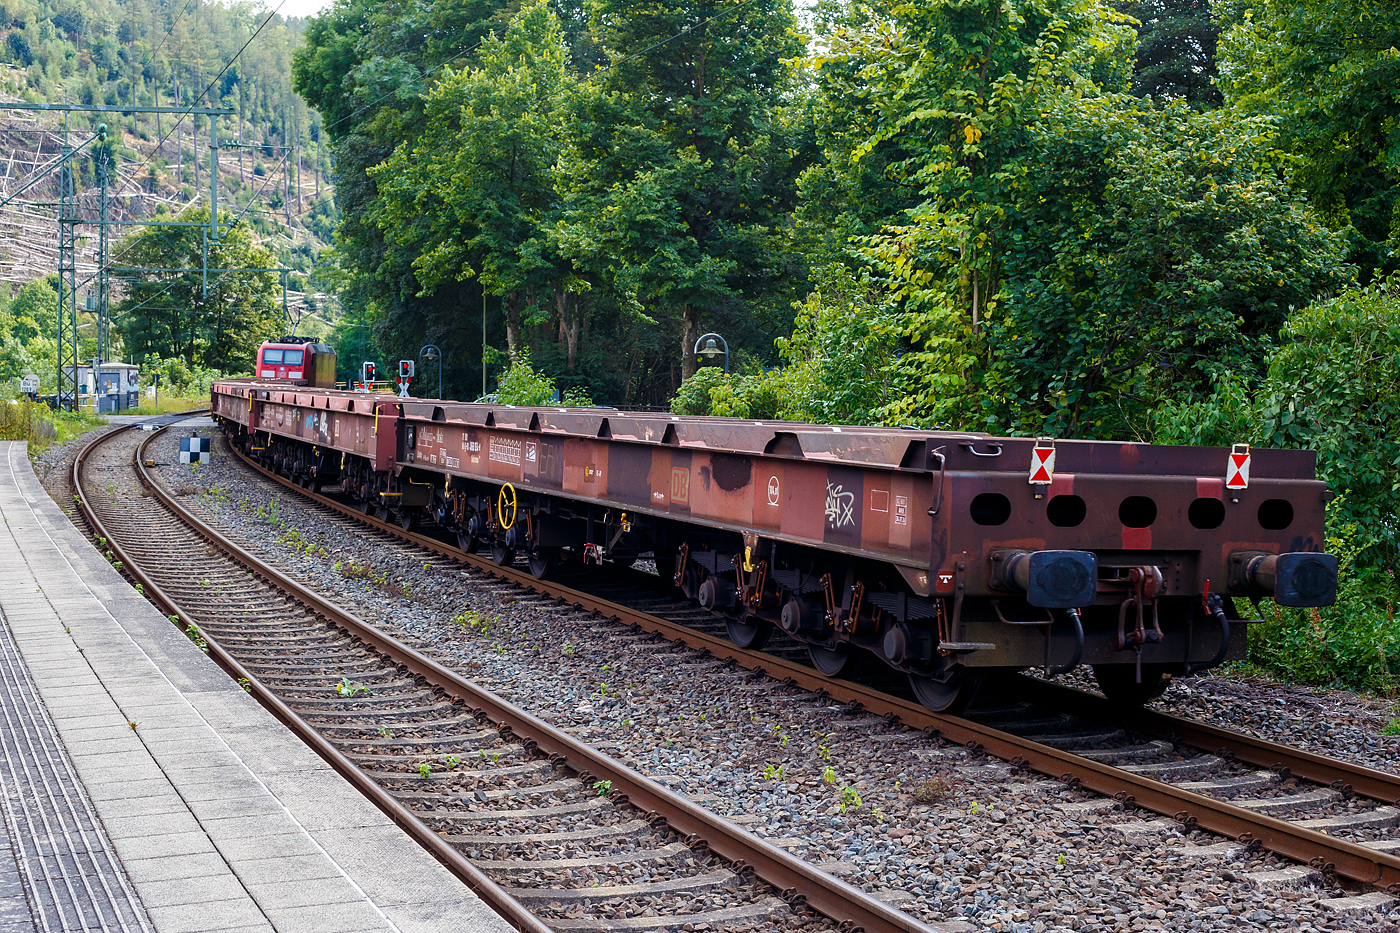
(220, 278)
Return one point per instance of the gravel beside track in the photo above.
(946, 834)
(584, 858)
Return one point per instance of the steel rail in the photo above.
(511, 910)
(843, 903)
(1310, 847)
(1342, 775)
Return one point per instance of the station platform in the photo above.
(142, 790)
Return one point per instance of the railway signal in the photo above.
(366, 375)
(405, 377)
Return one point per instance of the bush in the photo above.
(1353, 643)
(839, 360)
(23, 420)
(521, 384)
(179, 378)
(693, 396)
(1330, 386)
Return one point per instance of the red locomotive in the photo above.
(298, 360)
(947, 556)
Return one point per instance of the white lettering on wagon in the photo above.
(505, 450)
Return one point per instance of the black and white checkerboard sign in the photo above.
(194, 449)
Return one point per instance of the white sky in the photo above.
(297, 7)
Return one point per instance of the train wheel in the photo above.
(542, 561)
(367, 507)
(467, 542)
(946, 696)
(500, 554)
(1119, 682)
(408, 519)
(840, 661)
(749, 632)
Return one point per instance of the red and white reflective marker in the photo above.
(1237, 474)
(1043, 462)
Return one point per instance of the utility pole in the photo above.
(67, 278)
(103, 281)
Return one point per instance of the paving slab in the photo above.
(142, 790)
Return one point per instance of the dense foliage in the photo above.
(1326, 71)
(1329, 385)
(213, 321)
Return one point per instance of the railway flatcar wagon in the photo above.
(318, 436)
(948, 556)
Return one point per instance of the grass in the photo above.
(167, 403)
(42, 427)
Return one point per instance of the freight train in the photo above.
(953, 557)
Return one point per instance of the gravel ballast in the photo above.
(954, 838)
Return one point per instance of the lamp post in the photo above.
(430, 353)
(714, 345)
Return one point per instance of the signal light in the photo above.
(366, 371)
(405, 369)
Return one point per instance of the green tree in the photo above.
(847, 192)
(170, 315)
(964, 84)
(475, 194)
(1176, 50)
(1327, 70)
(678, 172)
(366, 67)
(1153, 251)
(34, 310)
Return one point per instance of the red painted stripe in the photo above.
(1137, 539)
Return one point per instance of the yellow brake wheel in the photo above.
(506, 506)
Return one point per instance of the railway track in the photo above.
(552, 833)
(1194, 775)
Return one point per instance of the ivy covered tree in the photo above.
(962, 87)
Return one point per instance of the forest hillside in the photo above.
(275, 175)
